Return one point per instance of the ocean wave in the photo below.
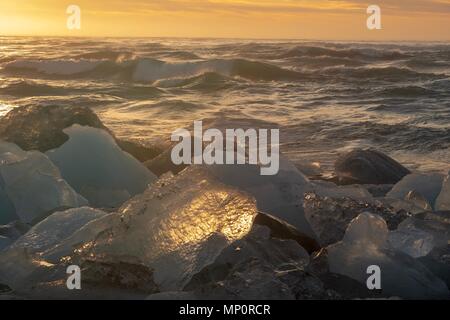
(209, 81)
(176, 106)
(53, 67)
(398, 136)
(178, 55)
(381, 73)
(352, 53)
(28, 88)
(105, 55)
(150, 70)
(408, 91)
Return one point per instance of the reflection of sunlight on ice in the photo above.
(5, 108)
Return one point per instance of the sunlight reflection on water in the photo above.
(5, 108)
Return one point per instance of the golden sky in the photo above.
(295, 19)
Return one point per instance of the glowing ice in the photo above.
(177, 227)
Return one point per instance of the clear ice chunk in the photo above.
(32, 184)
(175, 228)
(56, 228)
(94, 165)
(443, 200)
(418, 200)
(428, 185)
(418, 236)
(282, 195)
(365, 244)
(4, 242)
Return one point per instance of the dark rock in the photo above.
(41, 128)
(4, 288)
(138, 151)
(283, 230)
(378, 190)
(368, 167)
(163, 164)
(329, 217)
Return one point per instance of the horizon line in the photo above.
(223, 38)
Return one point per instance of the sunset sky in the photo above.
(295, 19)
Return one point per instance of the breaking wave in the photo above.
(149, 70)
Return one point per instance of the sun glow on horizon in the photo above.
(305, 19)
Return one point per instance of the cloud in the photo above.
(406, 6)
(282, 6)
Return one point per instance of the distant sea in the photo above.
(326, 97)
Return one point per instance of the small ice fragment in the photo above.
(365, 244)
(443, 200)
(428, 185)
(418, 200)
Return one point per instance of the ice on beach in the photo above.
(329, 217)
(11, 232)
(280, 195)
(329, 189)
(14, 230)
(257, 266)
(7, 210)
(92, 163)
(4, 242)
(418, 236)
(418, 200)
(56, 228)
(176, 228)
(427, 185)
(32, 185)
(365, 244)
(443, 200)
(367, 229)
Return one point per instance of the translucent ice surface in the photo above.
(175, 228)
(418, 236)
(428, 185)
(31, 186)
(365, 244)
(418, 200)
(280, 195)
(92, 163)
(55, 228)
(443, 200)
(4, 242)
